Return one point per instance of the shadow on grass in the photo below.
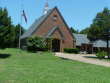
(4, 56)
(64, 58)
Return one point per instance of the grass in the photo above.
(24, 67)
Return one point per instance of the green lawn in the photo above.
(24, 67)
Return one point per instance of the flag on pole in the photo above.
(24, 15)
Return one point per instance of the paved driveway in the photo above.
(84, 58)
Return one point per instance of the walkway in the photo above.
(84, 58)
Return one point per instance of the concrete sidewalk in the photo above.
(84, 58)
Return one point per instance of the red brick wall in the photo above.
(49, 23)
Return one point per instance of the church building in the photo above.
(52, 25)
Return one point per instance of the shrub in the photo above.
(101, 55)
(71, 50)
(36, 44)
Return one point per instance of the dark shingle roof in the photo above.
(35, 25)
(81, 39)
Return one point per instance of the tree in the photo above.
(100, 24)
(8, 32)
(84, 31)
(5, 20)
(6, 29)
(73, 30)
(36, 44)
(17, 34)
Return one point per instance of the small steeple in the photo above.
(46, 8)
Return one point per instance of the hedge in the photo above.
(71, 50)
(36, 44)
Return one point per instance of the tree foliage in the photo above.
(100, 24)
(73, 30)
(84, 31)
(8, 32)
(17, 35)
(35, 44)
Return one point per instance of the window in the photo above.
(55, 17)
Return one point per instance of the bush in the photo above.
(101, 55)
(71, 50)
(36, 44)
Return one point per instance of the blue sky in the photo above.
(77, 13)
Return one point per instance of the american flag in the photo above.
(24, 15)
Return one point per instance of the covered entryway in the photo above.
(56, 45)
(87, 47)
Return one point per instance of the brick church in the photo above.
(52, 25)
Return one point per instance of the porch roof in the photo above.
(100, 43)
(51, 31)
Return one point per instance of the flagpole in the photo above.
(20, 25)
(20, 32)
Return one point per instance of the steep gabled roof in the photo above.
(36, 25)
(65, 23)
(81, 39)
